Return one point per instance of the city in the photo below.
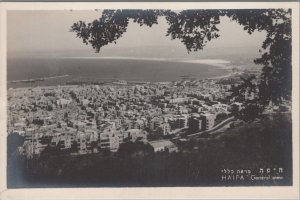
(84, 119)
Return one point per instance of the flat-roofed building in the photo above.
(109, 140)
(178, 121)
(208, 120)
(195, 124)
(163, 145)
(178, 100)
(81, 142)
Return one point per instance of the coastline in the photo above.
(223, 76)
(65, 78)
(37, 79)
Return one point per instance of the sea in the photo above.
(64, 70)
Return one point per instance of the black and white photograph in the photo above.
(151, 97)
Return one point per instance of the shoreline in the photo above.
(219, 63)
(37, 79)
(112, 82)
(223, 76)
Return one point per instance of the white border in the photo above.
(282, 192)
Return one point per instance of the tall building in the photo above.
(178, 121)
(81, 141)
(195, 124)
(208, 120)
(109, 139)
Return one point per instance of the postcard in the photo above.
(149, 100)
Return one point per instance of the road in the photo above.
(215, 128)
(210, 131)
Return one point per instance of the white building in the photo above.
(163, 145)
(208, 120)
(109, 140)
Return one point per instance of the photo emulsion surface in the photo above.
(149, 98)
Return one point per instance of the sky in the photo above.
(31, 31)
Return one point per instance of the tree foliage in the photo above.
(194, 28)
(14, 140)
(134, 149)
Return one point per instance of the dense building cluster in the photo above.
(82, 119)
